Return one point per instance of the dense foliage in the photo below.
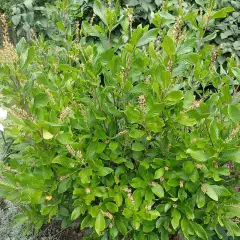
(133, 132)
(34, 16)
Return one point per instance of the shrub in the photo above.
(136, 137)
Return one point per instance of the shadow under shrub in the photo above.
(113, 134)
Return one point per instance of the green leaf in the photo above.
(133, 115)
(63, 160)
(198, 155)
(210, 36)
(85, 175)
(21, 219)
(27, 57)
(232, 211)
(41, 100)
(200, 199)
(188, 167)
(159, 173)
(113, 232)
(185, 120)
(234, 113)
(16, 19)
(176, 216)
(104, 171)
(231, 155)
(154, 124)
(76, 213)
(168, 46)
(174, 97)
(100, 224)
(138, 147)
(64, 185)
(113, 146)
(138, 183)
(236, 72)
(119, 223)
(214, 131)
(112, 207)
(66, 67)
(65, 138)
(153, 236)
(85, 222)
(221, 191)
(106, 57)
(158, 190)
(185, 228)
(222, 13)
(136, 133)
(232, 227)
(99, 10)
(199, 230)
(147, 37)
(211, 192)
(61, 26)
(90, 30)
(187, 210)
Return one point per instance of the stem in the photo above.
(98, 101)
(209, 133)
(109, 39)
(3, 138)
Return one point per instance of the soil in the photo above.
(53, 231)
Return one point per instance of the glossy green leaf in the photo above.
(158, 190)
(211, 192)
(100, 224)
(168, 46)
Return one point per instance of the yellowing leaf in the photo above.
(47, 135)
